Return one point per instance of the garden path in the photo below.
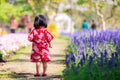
(20, 66)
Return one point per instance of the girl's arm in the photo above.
(50, 46)
(30, 36)
(49, 38)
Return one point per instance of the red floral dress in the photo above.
(40, 39)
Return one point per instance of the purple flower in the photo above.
(72, 57)
(81, 62)
(83, 57)
(110, 63)
(67, 61)
(90, 60)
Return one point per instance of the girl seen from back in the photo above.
(41, 42)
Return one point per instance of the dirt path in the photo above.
(23, 67)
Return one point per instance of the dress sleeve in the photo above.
(48, 36)
(30, 36)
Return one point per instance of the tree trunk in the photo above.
(56, 10)
(33, 10)
(101, 16)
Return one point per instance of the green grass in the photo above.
(26, 50)
(11, 76)
(23, 50)
(63, 38)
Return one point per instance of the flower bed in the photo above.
(12, 42)
(93, 55)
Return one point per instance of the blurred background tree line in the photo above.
(105, 12)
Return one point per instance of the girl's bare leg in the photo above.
(37, 67)
(44, 67)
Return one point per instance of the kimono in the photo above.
(40, 39)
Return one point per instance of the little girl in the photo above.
(40, 39)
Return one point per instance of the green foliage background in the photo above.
(21, 7)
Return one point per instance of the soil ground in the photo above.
(19, 66)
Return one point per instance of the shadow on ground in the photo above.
(58, 61)
(27, 76)
(57, 55)
(19, 60)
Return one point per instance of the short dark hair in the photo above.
(39, 21)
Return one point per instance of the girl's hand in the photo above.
(50, 46)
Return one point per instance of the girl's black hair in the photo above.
(39, 21)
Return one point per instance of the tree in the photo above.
(99, 7)
(7, 10)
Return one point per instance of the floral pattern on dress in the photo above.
(40, 39)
